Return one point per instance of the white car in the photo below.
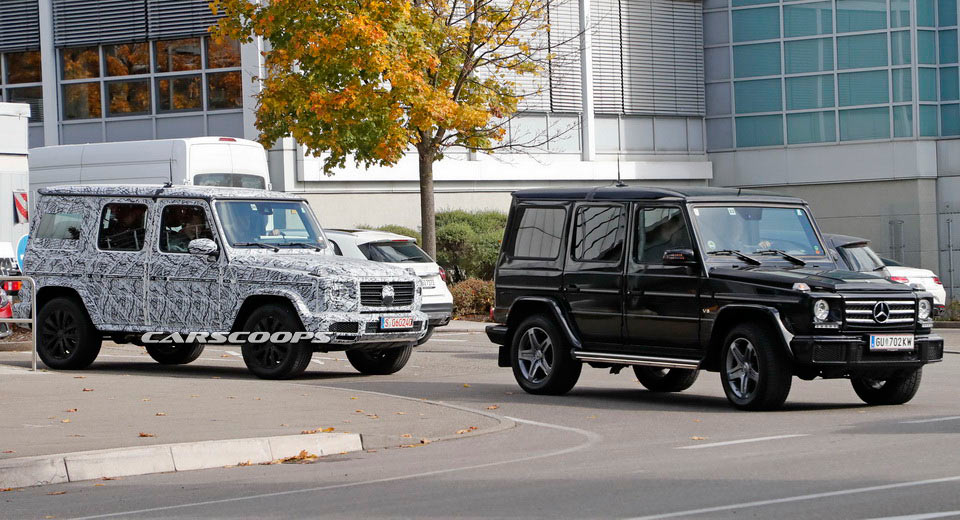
(922, 277)
(380, 246)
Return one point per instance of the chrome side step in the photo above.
(629, 359)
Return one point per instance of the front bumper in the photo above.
(853, 352)
(345, 329)
(438, 313)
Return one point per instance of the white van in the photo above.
(199, 161)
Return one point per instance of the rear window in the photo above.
(59, 226)
(539, 233)
(394, 252)
(230, 180)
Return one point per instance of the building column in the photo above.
(251, 62)
(48, 68)
(588, 138)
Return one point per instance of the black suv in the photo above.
(675, 281)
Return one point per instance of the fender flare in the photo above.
(558, 314)
(774, 318)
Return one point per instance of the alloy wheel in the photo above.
(60, 334)
(268, 354)
(536, 355)
(741, 367)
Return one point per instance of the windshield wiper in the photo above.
(257, 244)
(315, 247)
(736, 253)
(785, 255)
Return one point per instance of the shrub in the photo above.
(472, 298)
(470, 241)
(951, 312)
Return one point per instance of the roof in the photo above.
(365, 236)
(845, 240)
(158, 191)
(625, 192)
(15, 109)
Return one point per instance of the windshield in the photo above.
(752, 229)
(861, 259)
(273, 223)
(231, 180)
(394, 252)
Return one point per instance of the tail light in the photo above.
(443, 274)
(12, 286)
(936, 280)
(491, 313)
(901, 279)
(228, 140)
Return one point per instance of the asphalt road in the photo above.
(607, 449)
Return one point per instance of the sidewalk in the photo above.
(465, 326)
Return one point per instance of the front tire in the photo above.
(175, 353)
(380, 362)
(66, 339)
(755, 373)
(426, 337)
(895, 390)
(541, 360)
(275, 361)
(665, 380)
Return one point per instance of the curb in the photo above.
(946, 324)
(164, 458)
(16, 346)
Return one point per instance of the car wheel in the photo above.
(175, 353)
(754, 371)
(427, 336)
(380, 362)
(66, 339)
(665, 380)
(541, 360)
(893, 390)
(270, 360)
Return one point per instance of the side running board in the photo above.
(629, 359)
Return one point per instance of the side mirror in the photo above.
(202, 246)
(679, 257)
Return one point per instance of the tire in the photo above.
(66, 339)
(426, 337)
(380, 362)
(541, 360)
(765, 383)
(664, 380)
(275, 361)
(175, 353)
(895, 390)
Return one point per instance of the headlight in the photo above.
(821, 310)
(923, 309)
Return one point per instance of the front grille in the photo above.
(880, 313)
(348, 327)
(371, 294)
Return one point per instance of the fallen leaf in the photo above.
(425, 441)
(284, 424)
(358, 411)
(71, 410)
(371, 451)
(231, 397)
(99, 485)
(406, 436)
(461, 432)
(215, 377)
(145, 399)
(161, 414)
(48, 517)
(76, 435)
(465, 385)
(299, 458)
(194, 395)
(8, 451)
(697, 420)
(144, 434)
(354, 398)
(401, 413)
(318, 430)
(698, 438)
(110, 478)
(373, 416)
(224, 355)
(79, 377)
(57, 493)
(493, 407)
(257, 399)
(4, 490)
(64, 420)
(247, 463)
(88, 389)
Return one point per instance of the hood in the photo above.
(831, 280)
(326, 266)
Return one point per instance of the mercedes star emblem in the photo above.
(386, 295)
(881, 312)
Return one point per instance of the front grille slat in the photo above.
(859, 314)
(371, 294)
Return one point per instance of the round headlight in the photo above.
(923, 309)
(821, 310)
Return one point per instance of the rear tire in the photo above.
(275, 361)
(66, 339)
(175, 353)
(895, 390)
(665, 380)
(541, 360)
(380, 362)
(754, 370)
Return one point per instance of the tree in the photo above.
(369, 79)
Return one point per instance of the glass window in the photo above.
(269, 222)
(756, 60)
(947, 12)
(807, 19)
(719, 134)
(756, 24)
(808, 55)
(759, 131)
(761, 95)
(599, 233)
(394, 252)
(80, 62)
(811, 127)
(903, 121)
(900, 48)
(233, 180)
(122, 227)
(809, 92)
(179, 93)
(949, 120)
(539, 233)
(32, 96)
(179, 224)
(658, 231)
(927, 84)
(902, 85)
(224, 90)
(224, 53)
(861, 259)
(750, 229)
(127, 59)
(949, 87)
(741, 3)
(23, 67)
(178, 55)
(81, 101)
(929, 125)
(925, 13)
(900, 13)
(861, 15)
(926, 47)
(861, 51)
(59, 226)
(948, 46)
(716, 63)
(864, 123)
(128, 98)
(862, 88)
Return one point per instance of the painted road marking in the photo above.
(937, 419)
(921, 516)
(741, 441)
(232, 353)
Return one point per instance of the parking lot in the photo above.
(479, 446)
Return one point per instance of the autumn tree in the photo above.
(367, 80)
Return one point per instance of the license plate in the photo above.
(891, 342)
(428, 283)
(396, 323)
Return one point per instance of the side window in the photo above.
(59, 226)
(336, 248)
(658, 231)
(122, 227)
(599, 233)
(181, 224)
(539, 233)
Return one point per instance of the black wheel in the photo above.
(541, 360)
(275, 361)
(380, 362)
(665, 380)
(175, 353)
(898, 389)
(66, 339)
(426, 337)
(755, 373)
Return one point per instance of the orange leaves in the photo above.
(144, 434)
(317, 430)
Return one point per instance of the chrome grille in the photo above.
(371, 293)
(880, 312)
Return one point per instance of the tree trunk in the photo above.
(428, 212)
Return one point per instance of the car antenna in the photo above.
(620, 183)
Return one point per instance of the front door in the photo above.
(593, 277)
(662, 311)
(117, 277)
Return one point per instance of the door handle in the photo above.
(572, 287)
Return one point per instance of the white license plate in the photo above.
(396, 323)
(891, 342)
(428, 283)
